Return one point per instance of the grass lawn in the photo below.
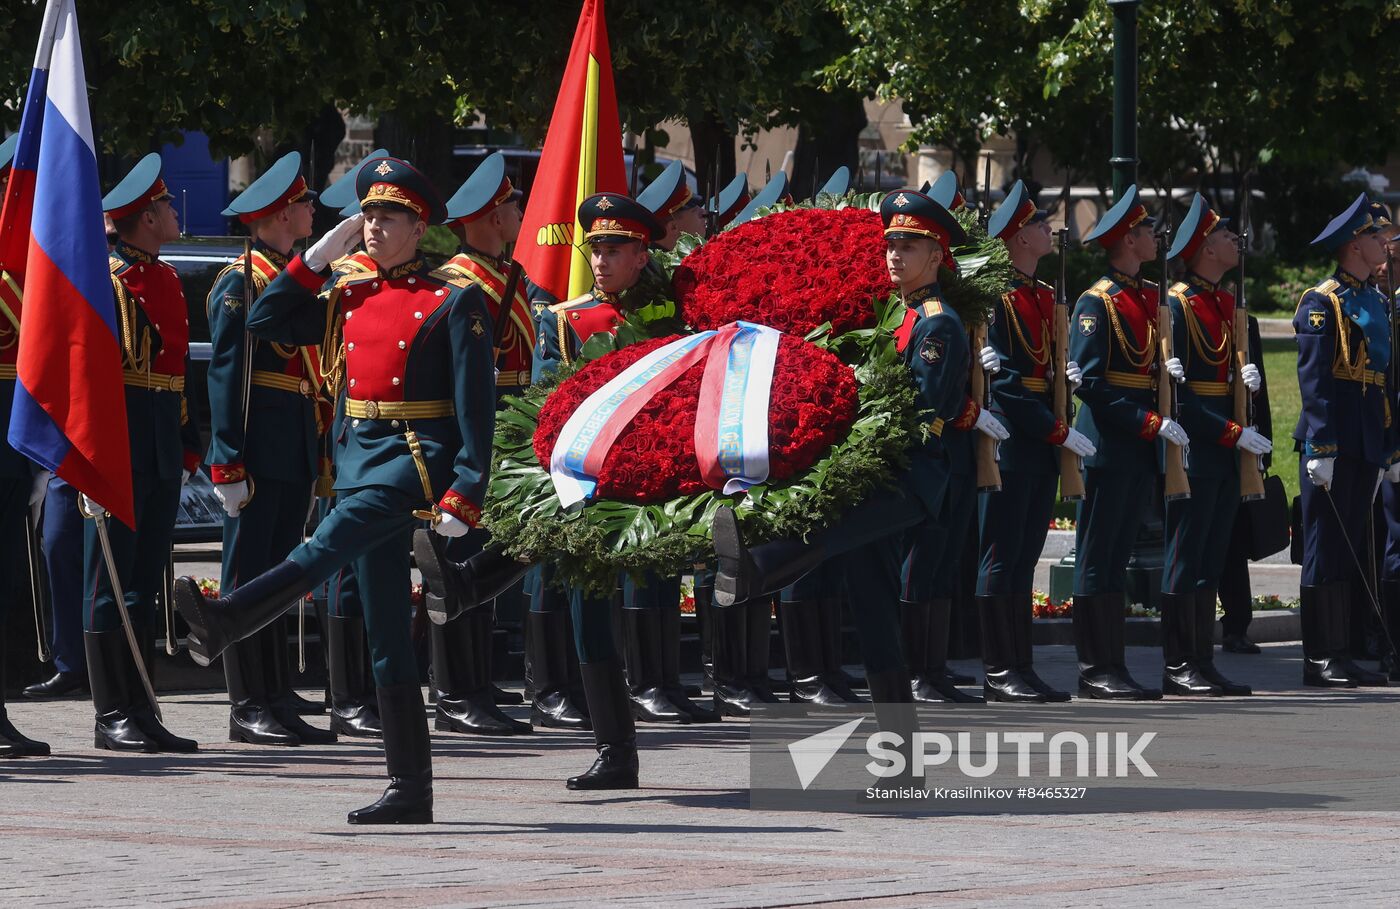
(1285, 402)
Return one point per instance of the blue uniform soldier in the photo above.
(264, 447)
(412, 367)
(1344, 436)
(22, 485)
(1015, 521)
(151, 311)
(1113, 338)
(932, 341)
(1390, 492)
(1198, 527)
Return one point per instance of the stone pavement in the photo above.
(238, 826)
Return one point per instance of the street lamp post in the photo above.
(1125, 90)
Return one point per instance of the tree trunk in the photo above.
(709, 135)
(827, 140)
(424, 143)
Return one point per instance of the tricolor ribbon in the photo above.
(731, 424)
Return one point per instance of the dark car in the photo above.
(199, 261)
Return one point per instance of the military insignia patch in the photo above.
(932, 351)
(478, 327)
(1088, 325)
(384, 168)
(233, 303)
(539, 308)
(1317, 318)
(901, 200)
(604, 204)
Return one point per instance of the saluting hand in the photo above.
(337, 242)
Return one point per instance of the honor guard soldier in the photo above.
(154, 322)
(1198, 528)
(676, 208)
(1113, 338)
(919, 236)
(22, 485)
(1014, 522)
(1344, 437)
(412, 367)
(353, 702)
(484, 214)
(931, 568)
(1390, 492)
(264, 447)
(775, 193)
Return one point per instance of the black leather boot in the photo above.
(802, 644)
(705, 623)
(641, 649)
(114, 729)
(740, 639)
(1390, 607)
(60, 684)
(1322, 665)
(834, 672)
(143, 713)
(250, 717)
(462, 674)
(1002, 679)
(14, 743)
(552, 665)
(215, 624)
(676, 693)
(614, 732)
(287, 706)
(408, 754)
(458, 587)
(1338, 616)
(935, 677)
(743, 574)
(1022, 618)
(758, 647)
(892, 694)
(1098, 628)
(1180, 676)
(354, 711)
(1205, 645)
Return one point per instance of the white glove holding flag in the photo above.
(1252, 378)
(1074, 374)
(989, 425)
(1173, 433)
(1253, 441)
(337, 242)
(450, 527)
(990, 361)
(1320, 471)
(1175, 369)
(1079, 443)
(233, 495)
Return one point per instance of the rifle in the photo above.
(988, 474)
(1071, 466)
(984, 198)
(1251, 466)
(1168, 402)
(498, 330)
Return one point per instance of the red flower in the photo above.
(811, 407)
(792, 271)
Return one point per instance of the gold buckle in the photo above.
(305, 387)
(372, 410)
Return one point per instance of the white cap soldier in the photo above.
(164, 454)
(1344, 436)
(411, 364)
(264, 450)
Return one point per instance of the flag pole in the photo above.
(101, 519)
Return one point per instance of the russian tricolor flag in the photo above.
(69, 411)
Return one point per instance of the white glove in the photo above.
(337, 242)
(1175, 369)
(40, 488)
(1392, 473)
(451, 527)
(990, 426)
(233, 495)
(1254, 442)
(1079, 443)
(990, 361)
(88, 507)
(1074, 374)
(1252, 378)
(1173, 433)
(1320, 471)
